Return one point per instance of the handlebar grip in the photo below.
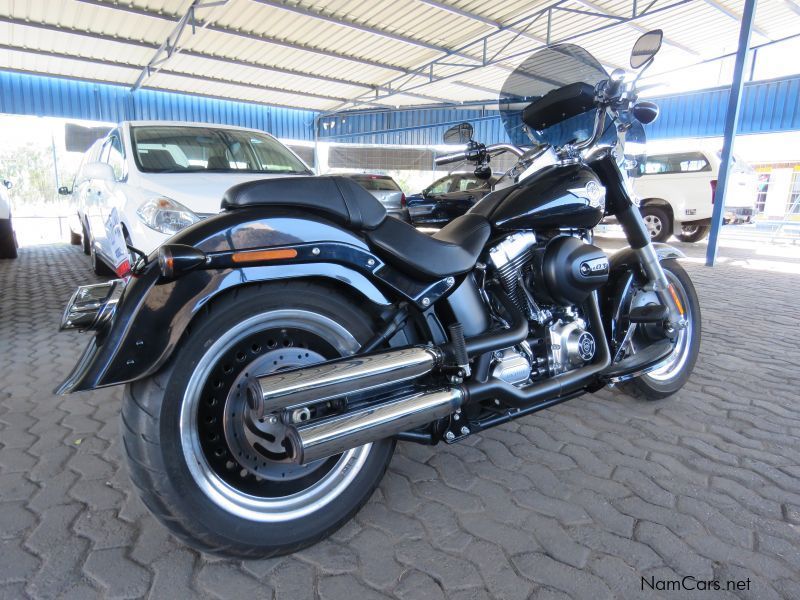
(450, 158)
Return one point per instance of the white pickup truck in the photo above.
(676, 191)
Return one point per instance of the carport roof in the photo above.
(334, 54)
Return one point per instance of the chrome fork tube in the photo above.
(648, 258)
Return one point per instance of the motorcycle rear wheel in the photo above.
(190, 445)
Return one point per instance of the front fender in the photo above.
(153, 312)
(624, 267)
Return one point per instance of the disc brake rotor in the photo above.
(257, 444)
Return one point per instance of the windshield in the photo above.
(543, 71)
(180, 149)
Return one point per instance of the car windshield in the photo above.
(543, 71)
(376, 183)
(177, 149)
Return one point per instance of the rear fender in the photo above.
(154, 312)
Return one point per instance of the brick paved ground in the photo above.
(580, 500)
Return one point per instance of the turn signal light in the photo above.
(176, 259)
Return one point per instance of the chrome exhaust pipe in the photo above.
(301, 387)
(334, 435)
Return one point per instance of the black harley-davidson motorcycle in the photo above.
(273, 354)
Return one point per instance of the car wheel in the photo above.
(75, 238)
(8, 240)
(692, 233)
(658, 223)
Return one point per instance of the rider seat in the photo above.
(451, 251)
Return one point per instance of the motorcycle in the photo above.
(273, 354)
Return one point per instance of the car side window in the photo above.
(441, 187)
(686, 162)
(467, 183)
(112, 154)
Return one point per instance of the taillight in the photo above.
(402, 200)
(713, 190)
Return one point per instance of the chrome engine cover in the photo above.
(571, 345)
(511, 366)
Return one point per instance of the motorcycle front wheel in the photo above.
(210, 472)
(674, 372)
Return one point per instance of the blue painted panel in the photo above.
(25, 94)
(767, 106)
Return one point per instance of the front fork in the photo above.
(639, 238)
(622, 206)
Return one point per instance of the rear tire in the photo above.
(692, 233)
(658, 223)
(671, 377)
(85, 243)
(75, 238)
(182, 471)
(8, 239)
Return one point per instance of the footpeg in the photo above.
(651, 313)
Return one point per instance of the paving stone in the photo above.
(577, 501)
(120, 576)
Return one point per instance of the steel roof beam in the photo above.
(492, 23)
(651, 11)
(212, 57)
(171, 46)
(732, 14)
(165, 71)
(349, 24)
(282, 43)
(593, 6)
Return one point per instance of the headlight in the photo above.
(165, 215)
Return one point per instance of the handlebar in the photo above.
(477, 152)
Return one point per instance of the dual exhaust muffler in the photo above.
(299, 388)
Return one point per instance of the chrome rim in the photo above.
(672, 366)
(264, 495)
(654, 225)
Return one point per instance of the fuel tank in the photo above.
(560, 195)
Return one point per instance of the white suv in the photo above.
(676, 191)
(147, 180)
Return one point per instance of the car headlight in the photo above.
(165, 215)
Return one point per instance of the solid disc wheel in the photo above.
(674, 372)
(692, 233)
(211, 472)
(657, 222)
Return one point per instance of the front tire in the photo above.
(674, 372)
(213, 487)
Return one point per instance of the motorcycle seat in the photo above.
(452, 250)
(338, 198)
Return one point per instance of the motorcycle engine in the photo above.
(548, 280)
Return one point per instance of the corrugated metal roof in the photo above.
(320, 54)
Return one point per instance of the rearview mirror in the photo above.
(458, 134)
(99, 170)
(64, 190)
(646, 47)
